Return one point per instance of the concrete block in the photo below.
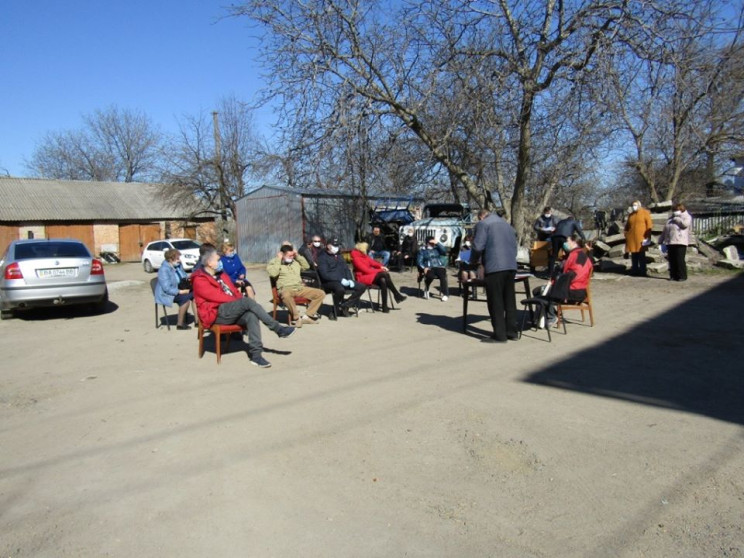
(731, 253)
(660, 206)
(658, 267)
(730, 264)
(616, 251)
(601, 247)
(614, 240)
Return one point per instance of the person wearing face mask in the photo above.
(676, 237)
(408, 249)
(233, 266)
(545, 224)
(466, 270)
(311, 250)
(369, 271)
(286, 268)
(337, 279)
(563, 230)
(172, 286)
(637, 237)
(219, 302)
(432, 262)
(579, 265)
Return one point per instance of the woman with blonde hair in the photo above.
(369, 271)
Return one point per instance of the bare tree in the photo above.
(112, 145)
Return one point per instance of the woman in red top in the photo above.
(371, 272)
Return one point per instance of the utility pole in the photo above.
(221, 189)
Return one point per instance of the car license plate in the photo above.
(59, 272)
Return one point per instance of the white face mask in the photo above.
(288, 260)
(316, 243)
(677, 213)
(547, 215)
(635, 207)
(334, 250)
(467, 244)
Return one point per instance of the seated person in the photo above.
(235, 269)
(377, 248)
(337, 279)
(408, 250)
(219, 302)
(171, 288)
(431, 262)
(578, 263)
(369, 271)
(203, 249)
(311, 250)
(466, 270)
(287, 268)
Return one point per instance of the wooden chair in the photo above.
(153, 284)
(218, 330)
(585, 305)
(277, 300)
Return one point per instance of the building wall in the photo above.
(264, 220)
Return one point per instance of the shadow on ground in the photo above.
(690, 358)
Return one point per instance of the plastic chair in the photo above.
(218, 330)
(153, 285)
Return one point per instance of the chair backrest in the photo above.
(274, 290)
(153, 284)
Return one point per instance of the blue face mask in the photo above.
(230, 256)
(219, 266)
(566, 247)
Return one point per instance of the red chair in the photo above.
(218, 330)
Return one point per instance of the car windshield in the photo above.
(35, 250)
(444, 210)
(184, 244)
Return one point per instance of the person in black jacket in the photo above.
(545, 224)
(311, 250)
(377, 247)
(563, 230)
(336, 278)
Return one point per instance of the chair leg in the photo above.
(218, 344)
(371, 304)
(201, 340)
(167, 321)
(157, 322)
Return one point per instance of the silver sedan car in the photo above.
(50, 272)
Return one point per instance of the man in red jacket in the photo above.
(219, 301)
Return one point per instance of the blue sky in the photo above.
(61, 59)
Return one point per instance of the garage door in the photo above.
(132, 238)
(84, 233)
(8, 233)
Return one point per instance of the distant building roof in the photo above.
(318, 193)
(33, 199)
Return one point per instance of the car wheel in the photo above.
(100, 306)
(6, 314)
(148, 267)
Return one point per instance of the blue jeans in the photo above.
(385, 256)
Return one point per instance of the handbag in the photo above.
(561, 286)
(184, 284)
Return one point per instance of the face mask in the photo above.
(634, 207)
(232, 255)
(334, 249)
(219, 266)
(566, 247)
(316, 244)
(547, 215)
(677, 213)
(288, 260)
(467, 245)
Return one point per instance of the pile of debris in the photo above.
(609, 248)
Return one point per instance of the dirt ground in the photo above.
(382, 435)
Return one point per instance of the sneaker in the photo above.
(285, 332)
(426, 295)
(445, 298)
(308, 320)
(314, 317)
(296, 323)
(550, 322)
(260, 361)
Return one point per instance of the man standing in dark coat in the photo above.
(495, 244)
(564, 229)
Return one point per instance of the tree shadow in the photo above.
(688, 358)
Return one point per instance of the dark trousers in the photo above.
(339, 291)
(677, 265)
(248, 313)
(441, 274)
(502, 303)
(556, 244)
(638, 263)
(385, 282)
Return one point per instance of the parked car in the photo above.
(153, 254)
(50, 272)
(446, 222)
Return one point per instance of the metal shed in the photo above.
(271, 214)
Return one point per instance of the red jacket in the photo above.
(209, 295)
(581, 264)
(365, 268)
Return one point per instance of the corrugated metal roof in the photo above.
(318, 193)
(33, 199)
